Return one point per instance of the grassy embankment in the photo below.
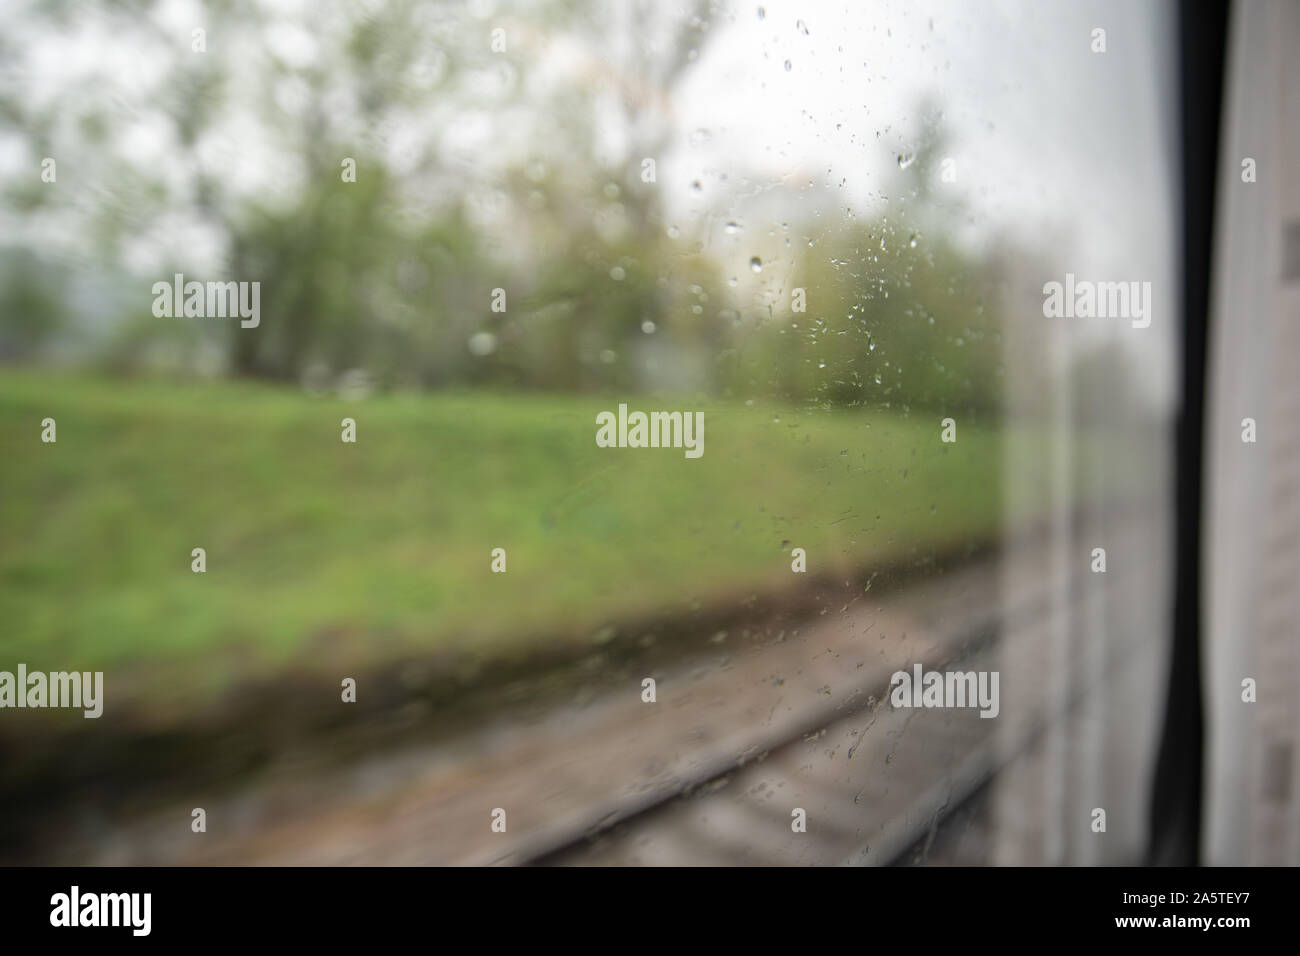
(321, 553)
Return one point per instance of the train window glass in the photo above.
(590, 433)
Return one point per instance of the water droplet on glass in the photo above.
(788, 66)
(912, 241)
(648, 327)
(761, 13)
(673, 233)
(906, 159)
(617, 274)
(802, 27)
(482, 343)
(732, 228)
(756, 264)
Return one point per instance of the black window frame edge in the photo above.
(1177, 795)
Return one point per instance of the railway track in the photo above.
(711, 772)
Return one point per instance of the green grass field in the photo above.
(320, 552)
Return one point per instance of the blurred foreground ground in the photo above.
(710, 773)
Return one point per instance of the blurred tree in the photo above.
(499, 152)
(392, 272)
(899, 315)
(31, 313)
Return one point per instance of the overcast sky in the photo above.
(1064, 148)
